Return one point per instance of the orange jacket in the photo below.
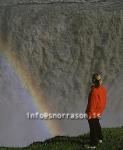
(96, 102)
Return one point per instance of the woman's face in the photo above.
(99, 78)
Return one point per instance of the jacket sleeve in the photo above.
(92, 102)
(103, 102)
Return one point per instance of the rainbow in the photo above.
(32, 87)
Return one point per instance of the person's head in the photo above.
(97, 79)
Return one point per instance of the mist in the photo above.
(61, 45)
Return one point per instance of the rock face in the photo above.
(63, 43)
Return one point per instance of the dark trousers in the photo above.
(95, 131)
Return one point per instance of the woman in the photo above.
(95, 107)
